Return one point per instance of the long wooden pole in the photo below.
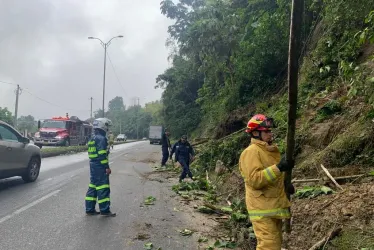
(293, 71)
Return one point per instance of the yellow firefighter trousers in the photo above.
(268, 233)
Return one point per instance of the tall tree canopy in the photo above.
(226, 55)
(133, 121)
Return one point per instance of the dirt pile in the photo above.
(351, 209)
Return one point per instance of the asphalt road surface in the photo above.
(49, 214)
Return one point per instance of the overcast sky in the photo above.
(44, 48)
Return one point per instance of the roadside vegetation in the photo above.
(229, 62)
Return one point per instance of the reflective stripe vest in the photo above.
(97, 149)
(264, 183)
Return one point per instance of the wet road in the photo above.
(49, 214)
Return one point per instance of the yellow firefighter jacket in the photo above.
(264, 183)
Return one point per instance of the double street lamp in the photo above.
(105, 46)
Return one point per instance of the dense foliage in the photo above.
(227, 54)
(230, 57)
(6, 116)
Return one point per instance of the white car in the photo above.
(121, 137)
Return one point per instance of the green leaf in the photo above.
(150, 200)
(237, 216)
(186, 232)
(148, 246)
(226, 209)
(202, 239)
(225, 244)
(205, 210)
(371, 173)
(326, 190)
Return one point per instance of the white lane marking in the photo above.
(22, 209)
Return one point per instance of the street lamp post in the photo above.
(105, 46)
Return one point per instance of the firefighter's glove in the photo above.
(291, 189)
(283, 165)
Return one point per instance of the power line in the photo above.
(10, 83)
(58, 106)
(115, 73)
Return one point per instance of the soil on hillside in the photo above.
(351, 209)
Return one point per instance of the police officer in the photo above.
(99, 189)
(184, 154)
(165, 142)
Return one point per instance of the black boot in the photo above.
(108, 214)
(92, 213)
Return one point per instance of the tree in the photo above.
(229, 54)
(134, 121)
(27, 123)
(116, 104)
(155, 110)
(6, 116)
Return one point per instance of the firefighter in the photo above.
(263, 171)
(184, 154)
(165, 142)
(99, 189)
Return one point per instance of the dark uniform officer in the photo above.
(99, 189)
(165, 145)
(184, 154)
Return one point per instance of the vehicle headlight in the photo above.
(59, 137)
(37, 135)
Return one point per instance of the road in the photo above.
(49, 214)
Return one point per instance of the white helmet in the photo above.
(102, 123)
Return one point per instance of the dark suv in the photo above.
(17, 156)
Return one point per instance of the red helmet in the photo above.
(260, 122)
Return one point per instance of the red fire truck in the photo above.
(62, 131)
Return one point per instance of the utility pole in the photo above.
(293, 74)
(91, 108)
(16, 107)
(105, 46)
(137, 119)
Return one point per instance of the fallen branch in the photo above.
(323, 179)
(335, 232)
(200, 142)
(330, 176)
(306, 180)
(214, 208)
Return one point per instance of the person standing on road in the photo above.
(99, 189)
(184, 154)
(111, 140)
(165, 146)
(263, 171)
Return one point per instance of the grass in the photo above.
(353, 239)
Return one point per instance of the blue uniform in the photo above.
(183, 153)
(99, 189)
(165, 149)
